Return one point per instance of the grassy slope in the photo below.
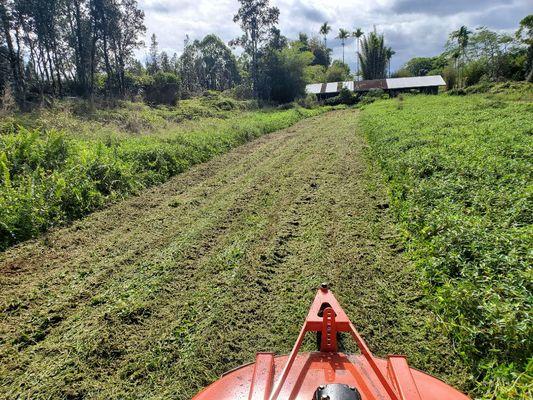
(48, 177)
(459, 170)
(156, 296)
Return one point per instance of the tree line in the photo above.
(87, 48)
(474, 56)
(59, 47)
(375, 58)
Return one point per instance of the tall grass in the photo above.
(460, 171)
(49, 177)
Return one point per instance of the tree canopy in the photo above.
(373, 57)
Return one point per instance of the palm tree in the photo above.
(389, 53)
(357, 34)
(373, 57)
(325, 29)
(462, 35)
(343, 35)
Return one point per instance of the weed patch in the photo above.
(49, 177)
(459, 172)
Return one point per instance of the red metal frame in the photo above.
(327, 316)
(298, 375)
(263, 377)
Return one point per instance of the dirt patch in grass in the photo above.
(156, 296)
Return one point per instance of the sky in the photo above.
(411, 27)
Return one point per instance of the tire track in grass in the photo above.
(213, 266)
(191, 254)
(113, 245)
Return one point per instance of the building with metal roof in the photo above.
(425, 84)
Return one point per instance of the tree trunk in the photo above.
(14, 61)
(81, 72)
(357, 60)
(254, 66)
(58, 66)
(529, 73)
(42, 61)
(108, 69)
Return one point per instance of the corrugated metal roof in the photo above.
(415, 82)
(314, 88)
(332, 87)
(370, 84)
(363, 86)
(348, 85)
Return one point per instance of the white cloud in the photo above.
(412, 27)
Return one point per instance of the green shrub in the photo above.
(474, 72)
(373, 95)
(450, 77)
(48, 177)
(310, 101)
(459, 169)
(347, 97)
(162, 88)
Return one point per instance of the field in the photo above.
(417, 210)
(50, 176)
(158, 295)
(459, 172)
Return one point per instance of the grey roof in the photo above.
(348, 85)
(415, 82)
(391, 83)
(332, 87)
(314, 88)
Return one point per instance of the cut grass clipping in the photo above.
(156, 296)
(48, 177)
(459, 170)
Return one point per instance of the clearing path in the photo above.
(154, 297)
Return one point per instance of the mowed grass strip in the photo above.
(155, 297)
(459, 172)
(49, 177)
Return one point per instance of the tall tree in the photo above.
(277, 41)
(218, 63)
(320, 52)
(525, 35)
(283, 72)
(324, 30)
(373, 57)
(164, 61)
(190, 69)
(13, 55)
(343, 36)
(256, 18)
(152, 65)
(60, 45)
(304, 40)
(4, 64)
(462, 36)
(125, 38)
(207, 65)
(390, 53)
(357, 34)
(79, 39)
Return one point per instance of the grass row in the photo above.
(49, 177)
(459, 170)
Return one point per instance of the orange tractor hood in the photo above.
(328, 374)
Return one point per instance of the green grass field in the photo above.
(459, 171)
(156, 296)
(417, 210)
(59, 165)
